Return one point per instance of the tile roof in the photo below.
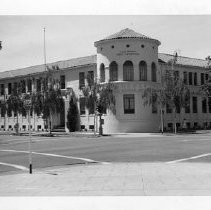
(185, 61)
(127, 33)
(81, 61)
(89, 60)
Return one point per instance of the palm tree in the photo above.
(98, 98)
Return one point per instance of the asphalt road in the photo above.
(61, 151)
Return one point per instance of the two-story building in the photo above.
(132, 62)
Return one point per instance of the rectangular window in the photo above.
(38, 82)
(202, 78)
(185, 77)
(195, 125)
(81, 80)
(204, 105)
(2, 112)
(195, 78)
(168, 109)
(62, 81)
(23, 112)
(190, 78)
(170, 126)
(195, 108)
(23, 86)
(9, 88)
(15, 86)
(82, 106)
(2, 89)
(29, 85)
(9, 112)
(91, 127)
(90, 78)
(178, 125)
(206, 77)
(91, 107)
(154, 105)
(129, 103)
(177, 109)
(188, 125)
(187, 108)
(176, 75)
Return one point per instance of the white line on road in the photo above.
(15, 166)
(55, 155)
(190, 158)
(194, 140)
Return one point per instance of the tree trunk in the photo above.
(50, 122)
(100, 126)
(94, 118)
(5, 114)
(182, 116)
(161, 116)
(175, 125)
(34, 119)
(17, 130)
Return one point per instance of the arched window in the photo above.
(143, 71)
(113, 71)
(128, 71)
(154, 72)
(102, 72)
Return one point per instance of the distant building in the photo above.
(130, 60)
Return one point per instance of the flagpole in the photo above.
(44, 50)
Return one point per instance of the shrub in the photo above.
(72, 116)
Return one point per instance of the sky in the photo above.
(74, 36)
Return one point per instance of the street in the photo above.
(65, 150)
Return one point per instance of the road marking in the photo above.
(190, 158)
(15, 166)
(186, 140)
(55, 155)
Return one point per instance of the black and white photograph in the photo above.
(105, 106)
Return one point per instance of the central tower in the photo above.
(130, 60)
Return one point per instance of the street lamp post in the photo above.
(27, 104)
(30, 139)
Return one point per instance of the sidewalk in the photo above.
(115, 179)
